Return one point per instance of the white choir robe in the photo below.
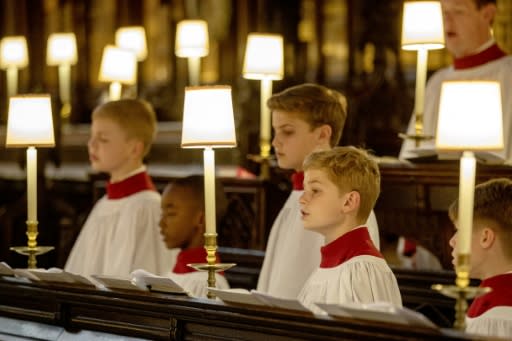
(496, 70)
(421, 259)
(491, 314)
(122, 235)
(292, 252)
(353, 274)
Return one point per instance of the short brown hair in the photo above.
(351, 169)
(316, 104)
(492, 205)
(135, 116)
(482, 3)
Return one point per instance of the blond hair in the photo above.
(316, 105)
(492, 206)
(136, 118)
(350, 169)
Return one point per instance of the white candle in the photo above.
(421, 78)
(65, 83)
(466, 195)
(209, 190)
(12, 81)
(32, 184)
(115, 91)
(265, 130)
(194, 70)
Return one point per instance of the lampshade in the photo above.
(192, 39)
(29, 121)
(118, 65)
(133, 38)
(208, 117)
(13, 52)
(263, 57)
(470, 116)
(422, 25)
(61, 49)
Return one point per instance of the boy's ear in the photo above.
(489, 12)
(487, 237)
(352, 202)
(325, 133)
(137, 147)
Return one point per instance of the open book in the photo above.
(429, 153)
(5, 269)
(383, 311)
(52, 275)
(156, 283)
(254, 297)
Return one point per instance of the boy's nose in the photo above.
(453, 240)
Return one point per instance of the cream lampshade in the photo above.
(192, 42)
(133, 38)
(422, 30)
(470, 119)
(13, 56)
(208, 123)
(30, 124)
(118, 66)
(61, 49)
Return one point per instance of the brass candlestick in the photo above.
(32, 250)
(461, 291)
(418, 135)
(211, 265)
(263, 159)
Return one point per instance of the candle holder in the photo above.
(422, 30)
(118, 66)
(192, 42)
(461, 291)
(30, 124)
(207, 123)
(211, 265)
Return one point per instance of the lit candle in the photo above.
(32, 184)
(421, 77)
(12, 81)
(64, 83)
(466, 195)
(194, 70)
(209, 190)
(266, 92)
(115, 91)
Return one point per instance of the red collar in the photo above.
(499, 296)
(486, 56)
(187, 256)
(134, 184)
(354, 243)
(298, 181)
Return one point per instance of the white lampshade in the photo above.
(30, 122)
(470, 116)
(133, 38)
(118, 65)
(208, 117)
(422, 25)
(263, 57)
(61, 49)
(13, 52)
(192, 39)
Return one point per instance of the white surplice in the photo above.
(121, 235)
(496, 70)
(351, 271)
(292, 252)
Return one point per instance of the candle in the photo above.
(421, 78)
(209, 190)
(115, 91)
(194, 70)
(466, 195)
(32, 184)
(266, 92)
(12, 81)
(64, 83)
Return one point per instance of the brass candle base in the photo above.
(210, 244)
(264, 162)
(31, 252)
(418, 138)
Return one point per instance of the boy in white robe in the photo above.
(121, 232)
(491, 258)
(305, 118)
(182, 225)
(476, 56)
(341, 187)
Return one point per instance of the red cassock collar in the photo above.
(134, 184)
(488, 55)
(187, 256)
(298, 181)
(499, 296)
(356, 242)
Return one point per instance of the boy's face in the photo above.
(293, 139)
(181, 217)
(466, 27)
(476, 251)
(321, 204)
(109, 148)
